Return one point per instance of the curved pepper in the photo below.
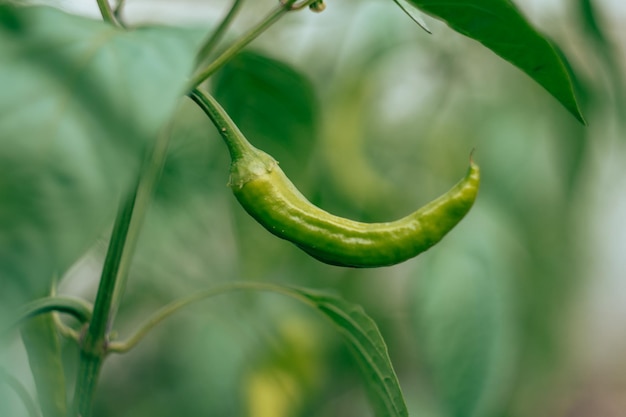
(266, 193)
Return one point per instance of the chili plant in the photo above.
(105, 95)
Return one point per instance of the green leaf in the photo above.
(272, 103)
(363, 337)
(81, 103)
(463, 316)
(500, 26)
(42, 345)
(589, 14)
(76, 307)
(357, 328)
(12, 388)
(455, 323)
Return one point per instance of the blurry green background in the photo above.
(520, 311)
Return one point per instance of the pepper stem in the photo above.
(242, 42)
(236, 142)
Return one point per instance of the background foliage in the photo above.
(517, 312)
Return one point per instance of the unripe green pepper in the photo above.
(266, 193)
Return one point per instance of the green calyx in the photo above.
(250, 165)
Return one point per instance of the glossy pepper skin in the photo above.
(270, 197)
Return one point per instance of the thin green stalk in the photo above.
(117, 12)
(94, 345)
(216, 36)
(124, 239)
(65, 330)
(234, 139)
(107, 12)
(151, 174)
(248, 37)
(176, 306)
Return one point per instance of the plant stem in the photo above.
(145, 190)
(107, 12)
(94, 344)
(248, 37)
(228, 130)
(117, 12)
(216, 36)
(176, 306)
(128, 223)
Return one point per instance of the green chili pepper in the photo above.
(268, 196)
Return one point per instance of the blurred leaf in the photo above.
(44, 356)
(455, 324)
(271, 102)
(188, 227)
(13, 387)
(192, 366)
(362, 335)
(500, 26)
(608, 53)
(349, 168)
(574, 138)
(197, 159)
(288, 368)
(81, 102)
(589, 16)
(464, 326)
